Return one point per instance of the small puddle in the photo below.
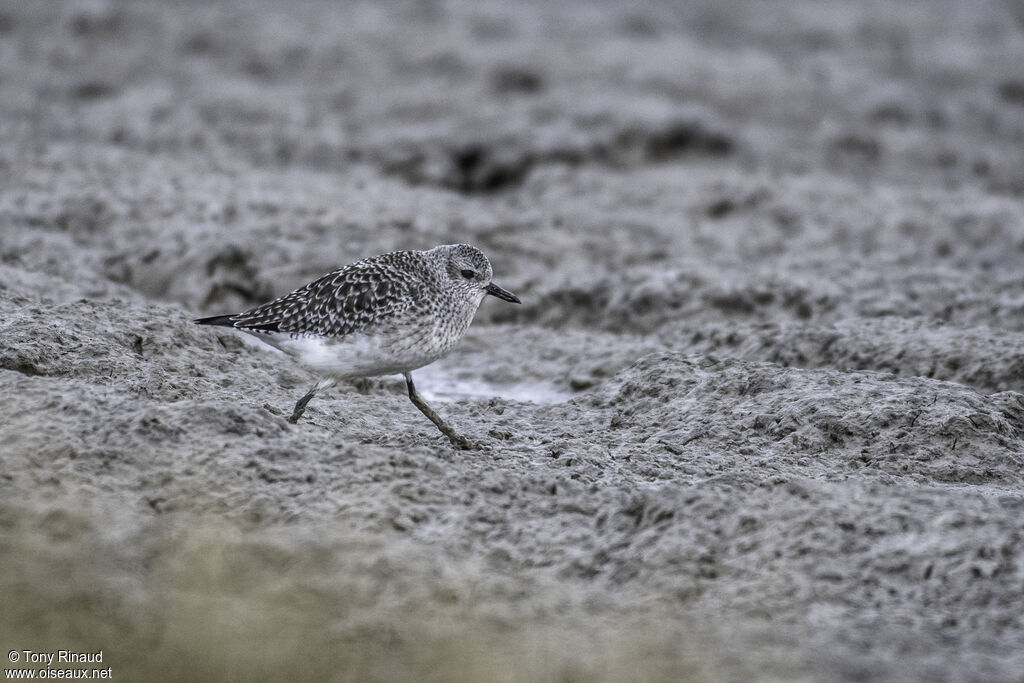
(438, 384)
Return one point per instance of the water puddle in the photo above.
(437, 383)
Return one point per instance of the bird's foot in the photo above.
(462, 443)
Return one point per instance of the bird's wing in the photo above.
(355, 298)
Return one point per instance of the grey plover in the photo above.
(383, 315)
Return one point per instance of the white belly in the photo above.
(357, 355)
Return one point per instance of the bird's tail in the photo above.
(221, 320)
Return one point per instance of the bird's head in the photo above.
(469, 271)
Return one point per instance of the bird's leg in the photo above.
(300, 407)
(457, 439)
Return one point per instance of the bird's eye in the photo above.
(468, 274)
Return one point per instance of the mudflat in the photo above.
(758, 417)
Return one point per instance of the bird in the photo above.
(388, 314)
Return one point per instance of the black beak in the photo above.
(497, 291)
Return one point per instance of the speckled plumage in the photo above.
(350, 299)
(386, 314)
